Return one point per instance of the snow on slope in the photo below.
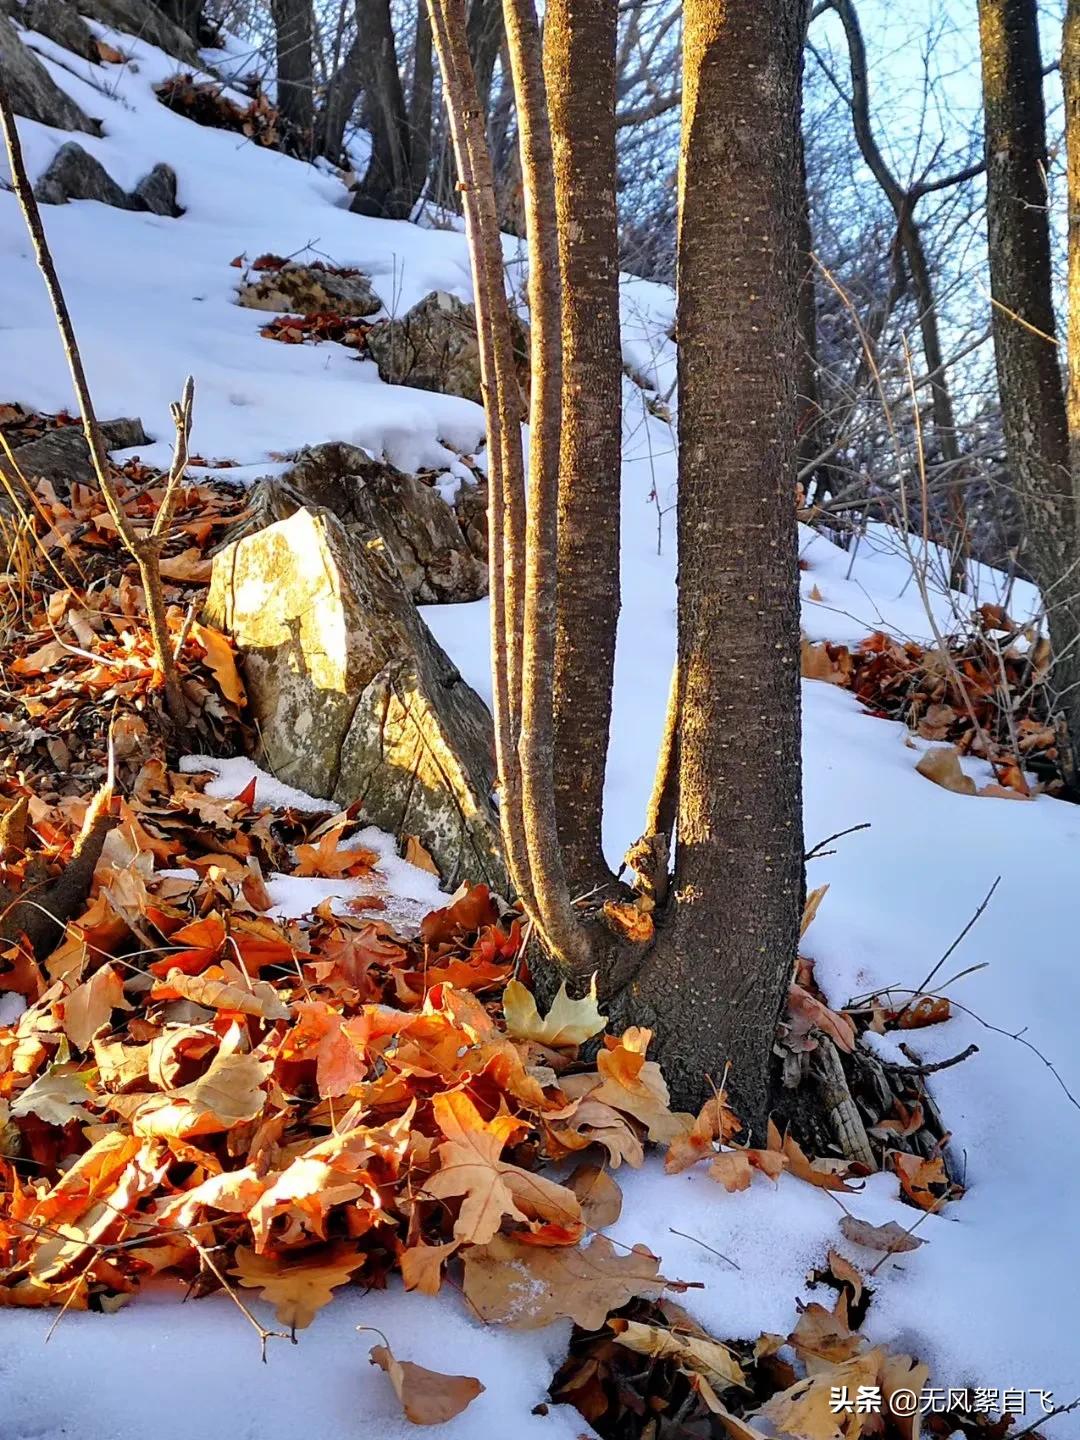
(991, 1299)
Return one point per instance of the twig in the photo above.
(921, 989)
(263, 1333)
(145, 550)
(1060, 1410)
(820, 846)
(928, 1069)
(712, 1250)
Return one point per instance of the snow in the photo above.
(991, 1297)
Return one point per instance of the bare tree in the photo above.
(1033, 404)
(293, 27)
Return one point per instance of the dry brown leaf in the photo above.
(416, 854)
(89, 1007)
(716, 1362)
(567, 1023)
(221, 661)
(817, 1014)
(599, 1194)
(297, 1289)
(810, 908)
(492, 1188)
(421, 1266)
(527, 1286)
(229, 1093)
(427, 1396)
(822, 1333)
(918, 1176)
(226, 988)
(805, 1410)
(822, 1173)
(942, 766)
(891, 1238)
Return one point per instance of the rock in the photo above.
(76, 175)
(61, 22)
(146, 22)
(62, 456)
(307, 290)
(32, 90)
(435, 557)
(434, 347)
(353, 697)
(157, 191)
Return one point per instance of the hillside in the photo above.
(153, 299)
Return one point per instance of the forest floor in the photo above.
(989, 1298)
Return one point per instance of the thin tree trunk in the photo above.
(1070, 81)
(293, 27)
(341, 96)
(1033, 406)
(561, 931)
(502, 409)
(903, 202)
(420, 103)
(579, 64)
(387, 187)
(714, 985)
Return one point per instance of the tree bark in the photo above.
(1033, 405)
(293, 26)
(579, 65)
(187, 14)
(714, 985)
(386, 189)
(341, 96)
(1070, 83)
(420, 103)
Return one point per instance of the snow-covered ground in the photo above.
(990, 1299)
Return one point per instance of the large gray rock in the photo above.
(156, 191)
(439, 559)
(74, 174)
(61, 22)
(307, 290)
(62, 456)
(434, 347)
(354, 698)
(145, 21)
(31, 88)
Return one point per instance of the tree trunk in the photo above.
(1033, 407)
(187, 14)
(1070, 81)
(386, 189)
(293, 25)
(420, 103)
(714, 985)
(341, 96)
(579, 65)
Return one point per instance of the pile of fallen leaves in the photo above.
(982, 692)
(313, 329)
(74, 647)
(201, 1090)
(206, 104)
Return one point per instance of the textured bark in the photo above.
(560, 928)
(420, 103)
(187, 14)
(386, 189)
(341, 97)
(714, 985)
(293, 25)
(1070, 81)
(579, 62)
(502, 407)
(1029, 373)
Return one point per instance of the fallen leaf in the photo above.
(220, 660)
(923, 1181)
(705, 1357)
(56, 1098)
(229, 1093)
(892, 1238)
(568, 1022)
(417, 854)
(527, 1287)
(942, 766)
(600, 1196)
(427, 1396)
(89, 1007)
(297, 1289)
